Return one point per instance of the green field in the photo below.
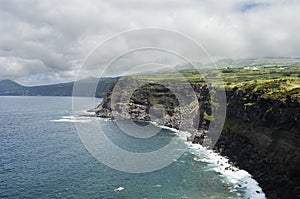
(268, 81)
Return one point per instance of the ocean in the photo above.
(42, 156)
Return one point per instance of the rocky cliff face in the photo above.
(157, 103)
(271, 124)
(261, 134)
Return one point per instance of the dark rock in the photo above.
(261, 135)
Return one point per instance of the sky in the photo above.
(45, 42)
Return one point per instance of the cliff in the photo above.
(261, 131)
(261, 134)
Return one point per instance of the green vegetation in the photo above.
(249, 104)
(267, 80)
(275, 89)
(239, 75)
(151, 94)
(192, 77)
(207, 117)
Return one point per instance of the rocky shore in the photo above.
(260, 135)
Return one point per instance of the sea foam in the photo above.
(242, 181)
(70, 118)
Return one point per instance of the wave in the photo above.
(72, 119)
(241, 179)
(119, 189)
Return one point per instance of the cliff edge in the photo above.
(260, 134)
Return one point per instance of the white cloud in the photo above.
(53, 37)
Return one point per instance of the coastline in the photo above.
(260, 133)
(222, 165)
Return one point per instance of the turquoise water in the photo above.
(41, 156)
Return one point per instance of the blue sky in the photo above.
(252, 5)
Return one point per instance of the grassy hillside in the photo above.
(272, 82)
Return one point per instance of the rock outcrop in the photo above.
(261, 133)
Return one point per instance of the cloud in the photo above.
(48, 40)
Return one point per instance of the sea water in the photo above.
(42, 156)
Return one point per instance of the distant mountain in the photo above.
(9, 85)
(11, 88)
(242, 62)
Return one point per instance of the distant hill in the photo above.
(263, 62)
(11, 88)
(8, 85)
(242, 62)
